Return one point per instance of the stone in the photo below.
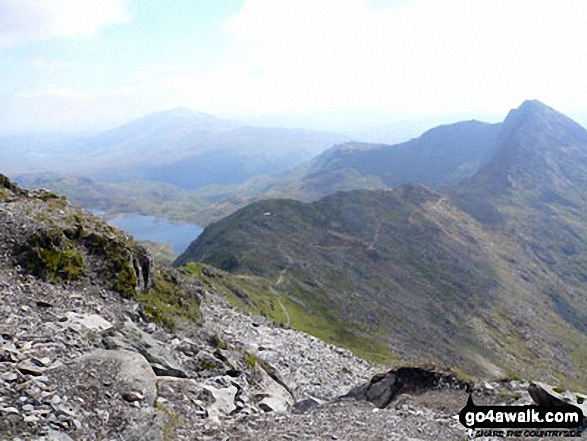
(305, 405)
(64, 411)
(9, 377)
(275, 397)
(132, 338)
(27, 368)
(132, 371)
(384, 388)
(41, 362)
(223, 401)
(133, 396)
(545, 395)
(265, 407)
(89, 322)
(54, 435)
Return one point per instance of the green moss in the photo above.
(250, 359)
(125, 281)
(558, 390)
(118, 269)
(207, 365)
(168, 301)
(52, 256)
(309, 314)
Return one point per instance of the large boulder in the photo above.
(271, 395)
(384, 388)
(130, 337)
(546, 395)
(109, 395)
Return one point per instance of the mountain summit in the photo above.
(538, 148)
(491, 269)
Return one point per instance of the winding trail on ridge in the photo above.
(277, 295)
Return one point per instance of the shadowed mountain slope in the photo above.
(489, 276)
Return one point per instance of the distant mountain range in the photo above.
(486, 272)
(235, 166)
(178, 147)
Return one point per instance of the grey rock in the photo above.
(275, 396)
(64, 411)
(132, 338)
(223, 401)
(133, 396)
(86, 322)
(82, 383)
(132, 372)
(546, 395)
(28, 368)
(54, 435)
(265, 407)
(9, 377)
(305, 405)
(384, 388)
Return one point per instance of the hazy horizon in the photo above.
(375, 70)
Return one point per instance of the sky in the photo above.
(342, 65)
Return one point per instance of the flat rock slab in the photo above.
(132, 338)
(95, 385)
(546, 395)
(130, 371)
(86, 322)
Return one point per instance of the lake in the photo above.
(179, 235)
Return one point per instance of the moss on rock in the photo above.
(51, 256)
(168, 301)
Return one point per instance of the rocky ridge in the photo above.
(83, 357)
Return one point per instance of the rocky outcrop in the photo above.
(58, 242)
(118, 390)
(82, 359)
(384, 388)
(546, 395)
(308, 366)
(130, 337)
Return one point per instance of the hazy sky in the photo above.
(77, 64)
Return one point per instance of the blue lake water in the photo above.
(179, 235)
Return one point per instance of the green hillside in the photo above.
(487, 277)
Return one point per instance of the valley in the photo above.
(488, 269)
(261, 220)
(476, 273)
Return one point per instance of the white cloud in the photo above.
(157, 71)
(52, 93)
(34, 20)
(52, 64)
(419, 56)
(350, 60)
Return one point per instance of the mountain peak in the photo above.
(538, 147)
(531, 109)
(536, 118)
(534, 106)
